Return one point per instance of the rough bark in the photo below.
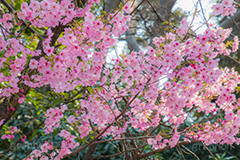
(111, 6)
(131, 32)
(91, 150)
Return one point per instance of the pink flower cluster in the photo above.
(6, 21)
(48, 13)
(235, 44)
(183, 29)
(128, 94)
(71, 66)
(65, 69)
(10, 133)
(44, 149)
(193, 84)
(160, 143)
(66, 145)
(54, 115)
(225, 8)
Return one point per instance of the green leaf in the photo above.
(166, 22)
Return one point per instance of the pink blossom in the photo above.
(173, 141)
(44, 158)
(49, 50)
(33, 64)
(227, 3)
(25, 6)
(151, 141)
(7, 17)
(127, 8)
(217, 9)
(167, 85)
(63, 108)
(45, 4)
(2, 121)
(235, 44)
(22, 15)
(158, 138)
(44, 147)
(229, 115)
(35, 5)
(232, 10)
(36, 153)
(21, 100)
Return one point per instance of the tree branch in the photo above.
(165, 148)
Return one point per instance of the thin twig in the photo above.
(190, 152)
(23, 30)
(155, 11)
(137, 7)
(200, 3)
(179, 150)
(209, 151)
(235, 23)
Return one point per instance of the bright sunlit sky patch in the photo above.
(190, 5)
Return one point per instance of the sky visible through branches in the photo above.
(203, 6)
(189, 6)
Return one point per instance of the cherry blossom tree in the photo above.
(62, 45)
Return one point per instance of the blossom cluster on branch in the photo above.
(129, 93)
